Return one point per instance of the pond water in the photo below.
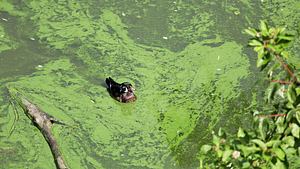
(188, 61)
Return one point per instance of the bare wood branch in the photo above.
(44, 122)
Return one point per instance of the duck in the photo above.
(122, 92)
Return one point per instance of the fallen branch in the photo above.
(44, 122)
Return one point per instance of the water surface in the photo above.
(187, 59)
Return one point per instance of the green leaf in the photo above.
(219, 153)
(273, 32)
(298, 88)
(273, 48)
(226, 155)
(290, 152)
(261, 54)
(256, 163)
(298, 116)
(262, 128)
(279, 165)
(264, 28)
(285, 54)
(205, 149)
(281, 30)
(289, 141)
(290, 105)
(280, 125)
(290, 115)
(262, 62)
(283, 45)
(251, 32)
(295, 130)
(272, 91)
(287, 131)
(297, 102)
(279, 153)
(260, 143)
(272, 142)
(216, 140)
(259, 49)
(274, 67)
(266, 156)
(263, 25)
(285, 37)
(291, 93)
(241, 133)
(246, 165)
(280, 121)
(255, 42)
(248, 150)
(221, 133)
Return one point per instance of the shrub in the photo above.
(273, 142)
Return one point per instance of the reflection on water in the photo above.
(186, 60)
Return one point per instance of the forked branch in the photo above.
(43, 122)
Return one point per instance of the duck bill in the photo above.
(128, 97)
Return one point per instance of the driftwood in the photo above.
(44, 122)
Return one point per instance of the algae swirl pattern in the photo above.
(185, 59)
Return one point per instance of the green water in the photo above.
(188, 61)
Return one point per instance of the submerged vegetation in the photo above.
(274, 140)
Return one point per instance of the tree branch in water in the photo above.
(43, 122)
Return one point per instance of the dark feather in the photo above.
(122, 92)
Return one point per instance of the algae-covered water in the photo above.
(188, 61)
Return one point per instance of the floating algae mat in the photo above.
(188, 62)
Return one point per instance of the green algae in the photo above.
(16, 149)
(142, 134)
(221, 83)
(186, 65)
(18, 42)
(5, 41)
(10, 8)
(69, 97)
(115, 130)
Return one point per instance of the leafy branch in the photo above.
(274, 139)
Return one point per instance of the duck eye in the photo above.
(124, 89)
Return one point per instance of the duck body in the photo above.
(122, 92)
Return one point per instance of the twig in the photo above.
(281, 81)
(44, 122)
(282, 63)
(287, 69)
